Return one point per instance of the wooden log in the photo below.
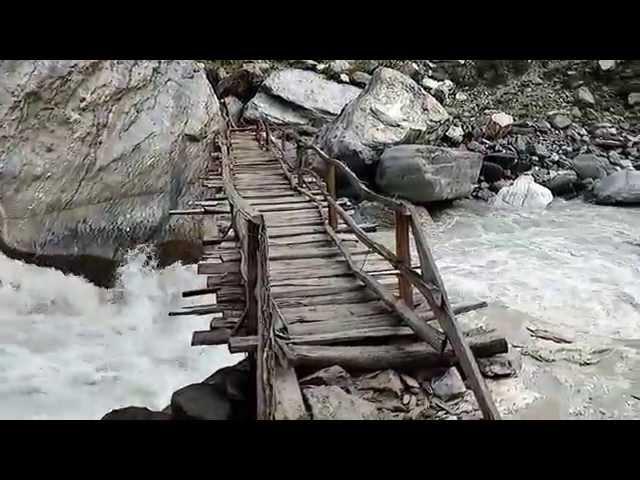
(446, 317)
(218, 336)
(382, 357)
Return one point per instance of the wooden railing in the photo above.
(428, 283)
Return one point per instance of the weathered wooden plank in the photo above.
(209, 268)
(358, 296)
(217, 336)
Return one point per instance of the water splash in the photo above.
(69, 349)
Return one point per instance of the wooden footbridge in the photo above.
(300, 286)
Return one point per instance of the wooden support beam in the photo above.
(200, 291)
(331, 186)
(218, 336)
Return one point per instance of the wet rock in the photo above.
(422, 173)
(591, 166)
(524, 193)
(200, 401)
(293, 96)
(96, 165)
(135, 413)
(333, 403)
(500, 184)
(361, 79)
(633, 98)
(374, 213)
(234, 107)
(501, 365)
(243, 83)
(385, 381)
(391, 110)
(585, 97)
(564, 182)
(410, 382)
(449, 385)
(232, 381)
(492, 172)
(620, 188)
(617, 160)
(560, 121)
(498, 125)
(331, 376)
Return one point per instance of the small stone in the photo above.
(455, 134)
(539, 150)
(410, 382)
(406, 398)
(413, 401)
(344, 78)
(498, 125)
(332, 376)
(461, 96)
(360, 79)
(338, 67)
(502, 365)
(560, 121)
(543, 125)
(585, 97)
(634, 98)
(387, 380)
(607, 65)
(576, 113)
(449, 385)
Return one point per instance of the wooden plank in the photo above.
(218, 336)
(208, 268)
(198, 292)
(359, 296)
(403, 251)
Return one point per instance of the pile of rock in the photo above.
(422, 394)
(225, 395)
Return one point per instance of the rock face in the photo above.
(524, 193)
(392, 109)
(298, 97)
(620, 188)
(93, 154)
(423, 173)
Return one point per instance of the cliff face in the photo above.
(93, 154)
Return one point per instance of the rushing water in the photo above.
(71, 350)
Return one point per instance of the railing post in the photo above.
(283, 144)
(251, 319)
(331, 186)
(266, 134)
(299, 162)
(403, 251)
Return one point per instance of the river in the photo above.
(71, 350)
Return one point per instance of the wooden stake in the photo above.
(331, 186)
(403, 251)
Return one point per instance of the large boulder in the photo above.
(94, 153)
(201, 401)
(392, 110)
(591, 166)
(524, 193)
(299, 97)
(135, 413)
(423, 173)
(620, 188)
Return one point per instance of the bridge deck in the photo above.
(325, 311)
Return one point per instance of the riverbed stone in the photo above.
(524, 193)
(135, 413)
(200, 401)
(333, 403)
(423, 173)
(449, 385)
(620, 188)
(592, 166)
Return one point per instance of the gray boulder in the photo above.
(392, 109)
(94, 153)
(563, 182)
(423, 173)
(200, 401)
(620, 188)
(592, 166)
(299, 97)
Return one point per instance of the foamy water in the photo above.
(70, 350)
